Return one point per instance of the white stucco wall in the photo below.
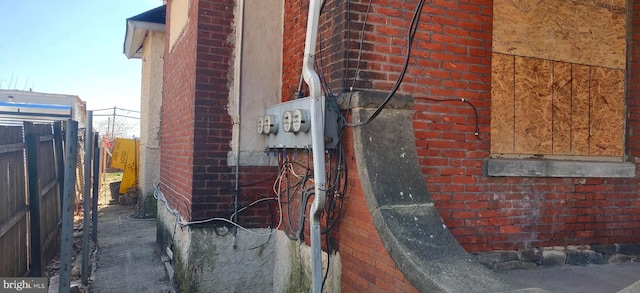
(150, 112)
(258, 83)
(179, 15)
(207, 262)
(293, 267)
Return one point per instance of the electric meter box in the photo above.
(288, 125)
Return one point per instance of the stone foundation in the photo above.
(559, 255)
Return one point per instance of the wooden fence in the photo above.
(13, 203)
(30, 197)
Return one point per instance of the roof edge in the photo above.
(137, 28)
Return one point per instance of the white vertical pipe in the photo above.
(317, 140)
(238, 124)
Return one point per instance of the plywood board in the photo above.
(588, 32)
(606, 112)
(533, 106)
(561, 108)
(580, 110)
(502, 102)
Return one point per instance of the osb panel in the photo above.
(580, 110)
(502, 101)
(533, 108)
(606, 112)
(588, 32)
(561, 108)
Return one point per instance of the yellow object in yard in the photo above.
(122, 148)
(126, 156)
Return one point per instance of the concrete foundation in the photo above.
(292, 259)
(207, 262)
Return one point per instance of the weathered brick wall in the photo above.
(295, 22)
(451, 58)
(502, 213)
(178, 118)
(366, 263)
(212, 132)
(333, 39)
(196, 128)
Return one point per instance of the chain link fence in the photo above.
(80, 170)
(111, 178)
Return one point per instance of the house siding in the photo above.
(197, 127)
(451, 59)
(178, 116)
(366, 263)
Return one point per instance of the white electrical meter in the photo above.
(295, 118)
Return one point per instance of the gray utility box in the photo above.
(288, 125)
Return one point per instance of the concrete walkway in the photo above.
(128, 259)
(608, 278)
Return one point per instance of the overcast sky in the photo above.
(71, 47)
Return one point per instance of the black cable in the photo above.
(263, 244)
(291, 232)
(346, 59)
(326, 272)
(303, 211)
(323, 78)
(356, 73)
(413, 28)
(475, 111)
(287, 228)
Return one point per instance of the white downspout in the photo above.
(317, 141)
(238, 95)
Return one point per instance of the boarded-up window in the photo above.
(558, 72)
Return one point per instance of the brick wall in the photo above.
(333, 39)
(176, 158)
(366, 263)
(451, 58)
(196, 128)
(501, 213)
(212, 121)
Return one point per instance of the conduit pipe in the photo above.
(238, 94)
(312, 80)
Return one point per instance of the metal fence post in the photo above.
(96, 181)
(71, 153)
(88, 149)
(59, 152)
(32, 140)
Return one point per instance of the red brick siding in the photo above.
(176, 158)
(295, 23)
(333, 39)
(196, 133)
(212, 121)
(366, 263)
(500, 213)
(452, 59)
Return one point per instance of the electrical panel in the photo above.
(288, 125)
